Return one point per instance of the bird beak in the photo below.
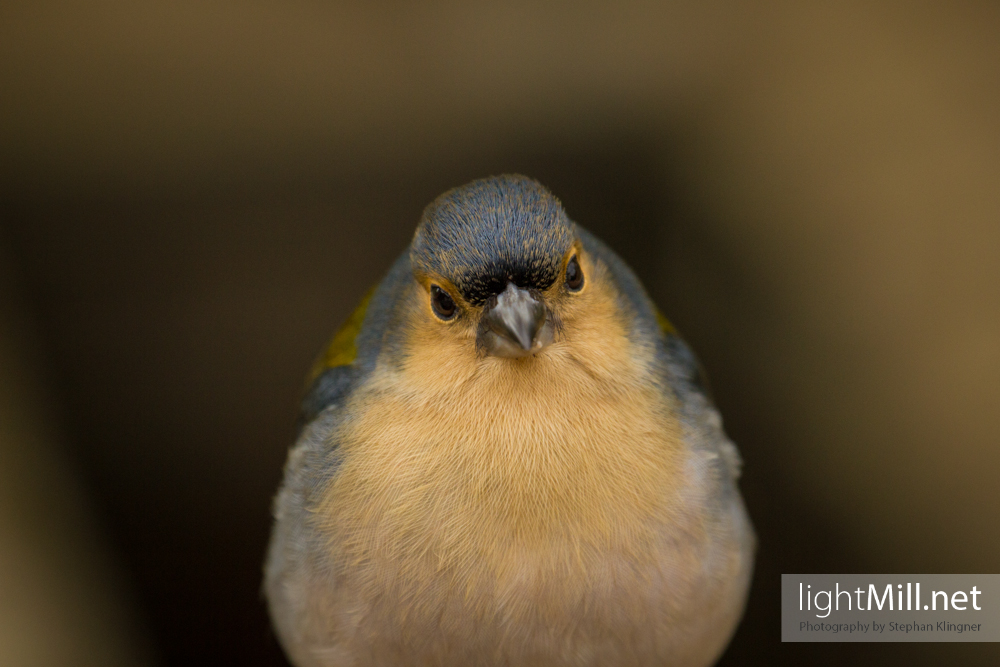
(517, 325)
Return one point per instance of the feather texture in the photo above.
(445, 507)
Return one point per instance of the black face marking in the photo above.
(492, 232)
(479, 286)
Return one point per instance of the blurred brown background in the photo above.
(193, 195)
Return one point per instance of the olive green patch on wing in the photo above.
(665, 326)
(342, 349)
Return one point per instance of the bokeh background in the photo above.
(193, 196)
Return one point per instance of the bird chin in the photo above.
(497, 345)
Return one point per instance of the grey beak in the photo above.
(518, 325)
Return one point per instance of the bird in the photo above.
(508, 457)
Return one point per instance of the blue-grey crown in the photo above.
(493, 231)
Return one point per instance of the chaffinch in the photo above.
(508, 457)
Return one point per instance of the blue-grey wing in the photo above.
(330, 388)
(296, 544)
(680, 372)
(294, 564)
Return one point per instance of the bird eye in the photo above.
(442, 303)
(574, 275)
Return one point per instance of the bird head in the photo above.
(500, 264)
